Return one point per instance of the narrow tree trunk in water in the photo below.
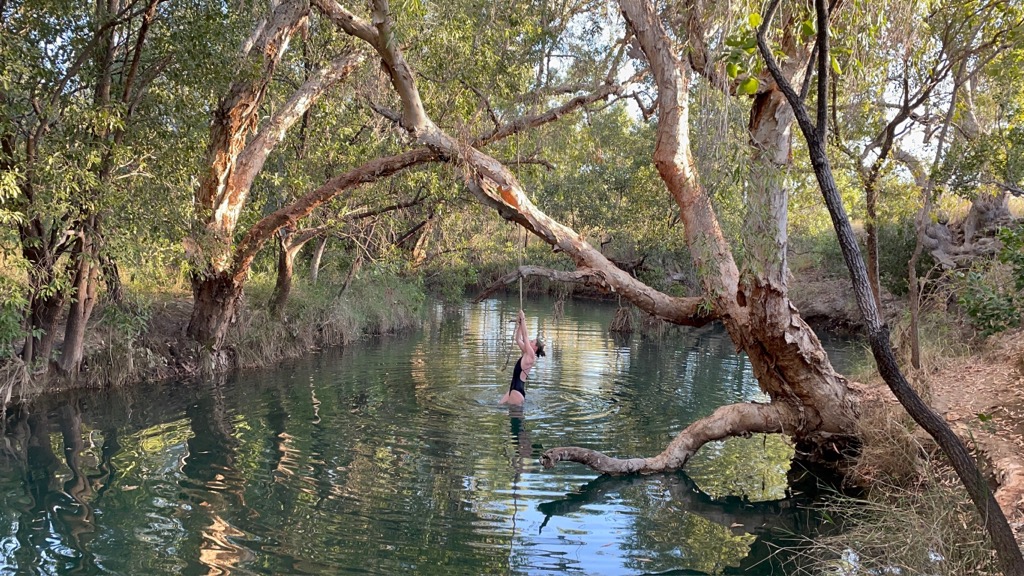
(79, 486)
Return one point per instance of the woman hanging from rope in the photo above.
(531, 350)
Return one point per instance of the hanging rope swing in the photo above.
(520, 249)
(526, 237)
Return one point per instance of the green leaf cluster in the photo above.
(993, 298)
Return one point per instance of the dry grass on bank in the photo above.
(916, 517)
(930, 528)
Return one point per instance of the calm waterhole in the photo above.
(392, 456)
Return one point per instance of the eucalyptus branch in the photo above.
(384, 111)
(486, 101)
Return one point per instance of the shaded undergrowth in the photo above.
(143, 336)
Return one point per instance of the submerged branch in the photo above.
(725, 422)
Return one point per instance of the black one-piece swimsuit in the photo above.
(517, 379)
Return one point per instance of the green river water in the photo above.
(393, 456)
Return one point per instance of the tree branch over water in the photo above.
(727, 421)
(698, 315)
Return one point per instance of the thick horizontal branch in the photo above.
(687, 311)
(583, 276)
(725, 422)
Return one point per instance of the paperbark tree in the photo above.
(1007, 552)
(234, 160)
(810, 401)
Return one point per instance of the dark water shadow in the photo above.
(777, 524)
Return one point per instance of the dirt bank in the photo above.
(982, 398)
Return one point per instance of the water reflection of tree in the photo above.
(213, 485)
(39, 469)
(77, 516)
(680, 528)
(58, 524)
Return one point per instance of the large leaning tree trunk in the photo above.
(809, 399)
(233, 161)
(1007, 552)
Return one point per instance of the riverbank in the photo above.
(981, 395)
(143, 337)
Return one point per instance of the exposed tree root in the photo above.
(622, 322)
(725, 422)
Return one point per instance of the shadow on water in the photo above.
(777, 524)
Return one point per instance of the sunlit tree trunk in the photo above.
(86, 254)
(86, 279)
(289, 245)
(318, 256)
(233, 162)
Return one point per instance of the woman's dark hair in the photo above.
(540, 347)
